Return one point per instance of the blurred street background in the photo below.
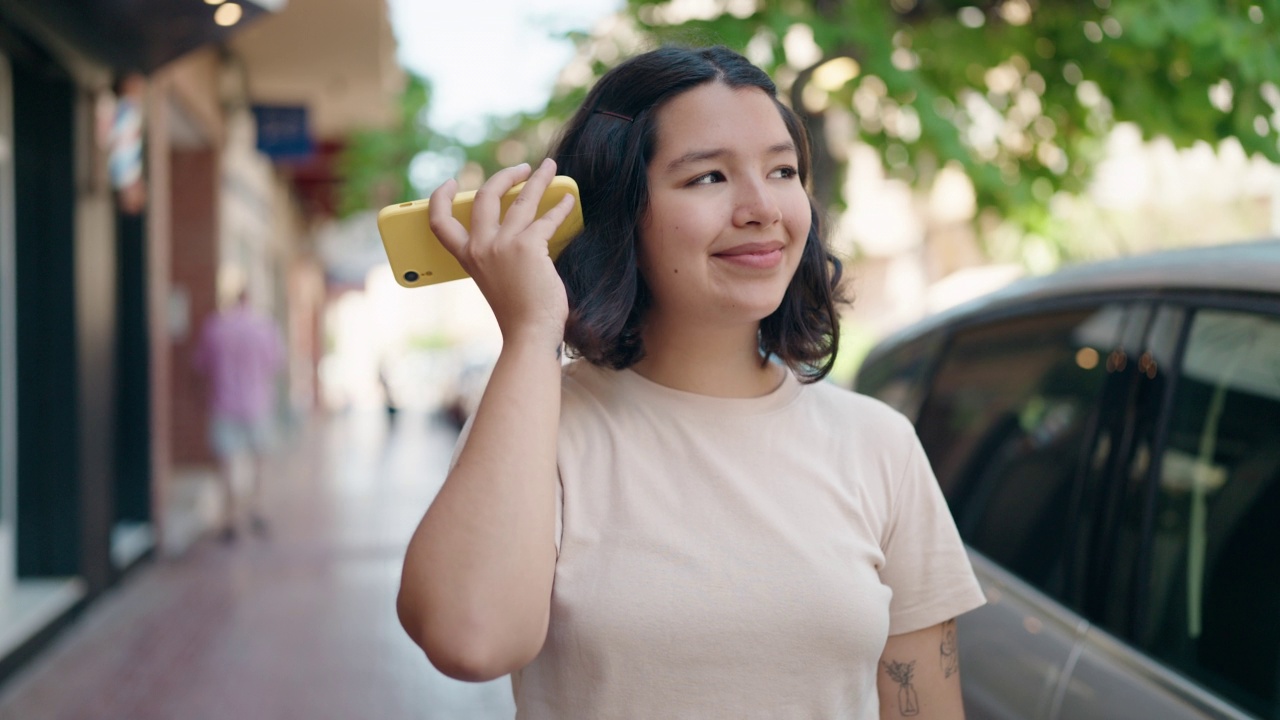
(160, 157)
(299, 624)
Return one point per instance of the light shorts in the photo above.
(230, 437)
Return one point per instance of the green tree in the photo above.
(375, 164)
(1020, 94)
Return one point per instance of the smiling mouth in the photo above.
(758, 256)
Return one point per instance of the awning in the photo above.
(136, 35)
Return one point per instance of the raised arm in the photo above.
(919, 675)
(475, 592)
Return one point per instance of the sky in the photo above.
(489, 57)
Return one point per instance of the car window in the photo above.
(898, 376)
(1213, 590)
(1116, 506)
(1005, 426)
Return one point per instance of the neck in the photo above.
(714, 361)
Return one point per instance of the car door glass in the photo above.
(898, 377)
(1213, 589)
(1005, 426)
(1116, 583)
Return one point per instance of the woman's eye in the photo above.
(785, 173)
(711, 177)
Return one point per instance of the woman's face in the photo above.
(728, 216)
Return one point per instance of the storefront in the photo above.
(77, 315)
(131, 186)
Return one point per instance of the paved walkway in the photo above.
(300, 624)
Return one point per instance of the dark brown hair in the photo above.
(606, 148)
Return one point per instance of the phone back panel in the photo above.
(417, 258)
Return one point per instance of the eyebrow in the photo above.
(700, 155)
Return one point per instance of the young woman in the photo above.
(673, 526)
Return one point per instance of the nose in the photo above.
(755, 204)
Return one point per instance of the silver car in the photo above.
(1108, 439)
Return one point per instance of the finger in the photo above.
(487, 206)
(546, 225)
(524, 208)
(450, 232)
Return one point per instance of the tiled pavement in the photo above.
(299, 624)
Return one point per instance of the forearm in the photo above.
(476, 588)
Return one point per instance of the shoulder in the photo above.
(861, 430)
(585, 387)
(591, 403)
(856, 411)
(212, 325)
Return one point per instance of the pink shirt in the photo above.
(240, 352)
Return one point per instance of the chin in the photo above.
(753, 309)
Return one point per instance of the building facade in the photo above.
(132, 192)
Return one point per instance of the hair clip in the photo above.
(610, 113)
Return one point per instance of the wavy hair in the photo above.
(606, 148)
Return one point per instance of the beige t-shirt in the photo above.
(736, 558)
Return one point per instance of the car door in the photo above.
(1016, 649)
(898, 373)
(1187, 616)
(1011, 407)
(1108, 678)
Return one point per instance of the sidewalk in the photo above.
(299, 624)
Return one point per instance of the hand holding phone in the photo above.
(416, 254)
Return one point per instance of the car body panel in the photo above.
(1111, 681)
(1032, 655)
(1016, 649)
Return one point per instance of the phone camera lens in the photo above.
(411, 276)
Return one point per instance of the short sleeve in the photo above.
(925, 561)
(457, 450)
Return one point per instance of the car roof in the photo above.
(1248, 267)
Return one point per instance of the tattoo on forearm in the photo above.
(908, 701)
(950, 649)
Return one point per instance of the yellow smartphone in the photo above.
(416, 255)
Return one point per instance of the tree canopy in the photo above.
(1019, 94)
(375, 164)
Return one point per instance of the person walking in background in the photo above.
(240, 352)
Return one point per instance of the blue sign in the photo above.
(282, 132)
